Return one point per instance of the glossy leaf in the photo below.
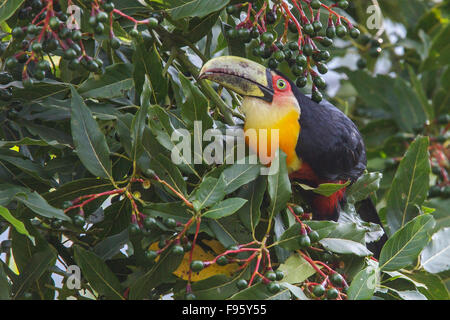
(435, 257)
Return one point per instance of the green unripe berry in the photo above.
(18, 33)
(254, 33)
(70, 54)
(267, 38)
(341, 31)
(301, 61)
(11, 62)
(93, 21)
(308, 50)
(32, 29)
(108, 6)
(271, 275)
(298, 210)
(170, 222)
(354, 33)
(150, 255)
(54, 23)
(293, 45)
(153, 22)
(39, 75)
(232, 248)
(102, 17)
(301, 82)
(279, 56)
(318, 291)
(279, 275)
(92, 66)
(222, 261)
(375, 52)
(332, 293)
(292, 27)
(64, 33)
(331, 32)
(297, 70)
(134, 33)
(197, 265)
(149, 222)
(317, 25)
(178, 250)
(326, 42)
(74, 64)
(325, 55)
(231, 9)
(304, 241)
(361, 63)
(313, 236)
(232, 33)
(337, 279)
(134, 230)
(27, 83)
(273, 63)
(308, 29)
(244, 35)
(241, 284)
(322, 68)
(315, 4)
(36, 47)
(76, 35)
(343, 4)
(99, 29)
(316, 96)
(319, 82)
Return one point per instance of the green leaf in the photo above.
(403, 248)
(35, 202)
(224, 208)
(40, 262)
(435, 257)
(418, 88)
(90, 143)
(166, 264)
(196, 8)
(8, 7)
(166, 170)
(217, 287)
(240, 174)
(344, 246)
(250, 213)
(139, 121)
(325, 189)
(17, 224)
(410, 185)
(259, 291)
(110, 246)
(363, 187)
(100, 277)
(296, 269)
(279, 186)
(434, 286)
(5, 287)
(210, 191)
(113, 83)
(439, 53)
(363, 285)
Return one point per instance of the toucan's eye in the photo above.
(281, 84)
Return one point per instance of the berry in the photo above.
(69, 54)
(76, 35)
(74, 64)
(326, 42)
(231, 9)
(273, 287)
(337, 279)
(92, 66)
(308, 29)
(149, 222)
(78, 221)
(361, 63)
(267, 38)
(319, 82)
(279, 56)
(317, 25)
(93, 21)
(325, 55)
(273, 63)
(332, 293)
(170, 222)
(99, 29)
(375, 52)
(244, 35)
(254, 33)
(102, 17)
(36, 47)
(134, 230)
(297, 70)
(266, 52)
(222, 261)
(153, 22)
(241, 284)
(32, 29)
(341, 31)
(18, 33)
(232, 248)
(64, 33)
(354, 33)
(316, 96)
(343, 4)
(304, 241)
(293, 45)
(292, 27)
(364, 39)
(318, 291)
(315, 4)
(301, 61)
(232, 33)
(54, 23)
(271, 276)
(301, 82)
(197, 265)
(178, 250)
(331, 32)
(271, 17)
(308, 50)
(108, 6)
(322, 68)
(279, 275)
(39, 74)
(50, 45)
(313, 236)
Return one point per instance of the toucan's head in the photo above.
(269, 101)
(253, 81)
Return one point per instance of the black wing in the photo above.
(329, 141)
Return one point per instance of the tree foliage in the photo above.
(87, 178)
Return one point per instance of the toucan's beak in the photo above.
(240, 75)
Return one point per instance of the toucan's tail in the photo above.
(368, 212)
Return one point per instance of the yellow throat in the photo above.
(282, 114)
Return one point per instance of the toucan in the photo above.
(321, 143)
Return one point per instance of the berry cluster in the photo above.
(44, 30)
(303, 41)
